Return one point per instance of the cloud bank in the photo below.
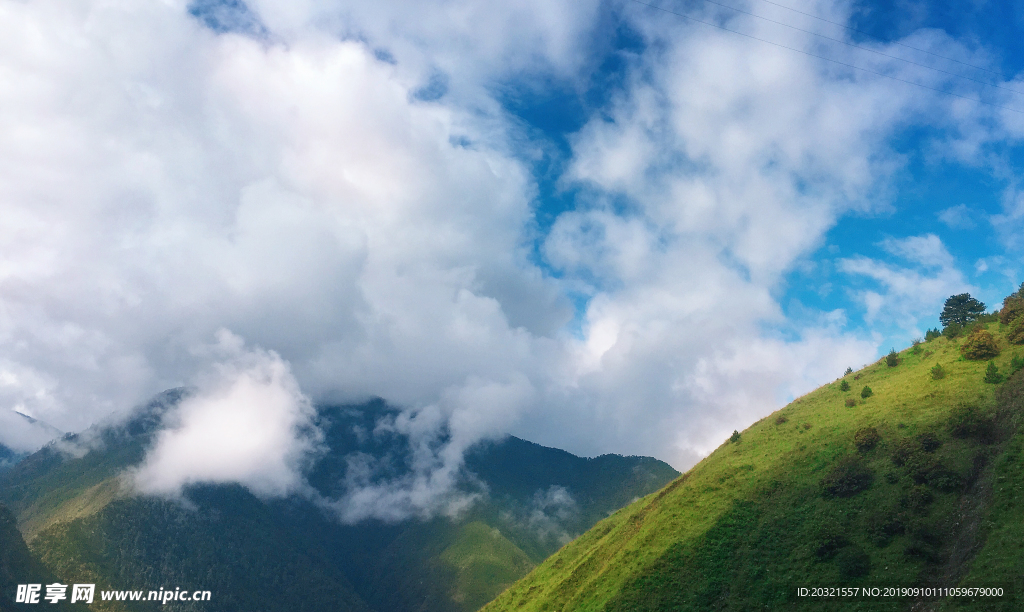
(341, 187)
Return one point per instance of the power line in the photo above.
(828, 59)
(895, 42)
(862, 47)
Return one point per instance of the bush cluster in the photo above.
(929, 442)
(1016, 332)
(1013, 307)
(1016, 364)
(883, 524)
(866, 392)
(866, 439)
(829, 544)
(847, 478)
(918, 499)
(844, 386)
(969, 421)
(938, 372)
(901, 452)
(979, 345)
(892, 359)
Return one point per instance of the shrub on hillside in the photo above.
(735, 437)
(969, 421)
(929, 442)
(847, 478)
(779, 420)
(892, 359)
(853, 562)
(866, 439)
(932, 334)
(1016, 364)
(850, 402)
(938, 372)
(916, 346)
(992, 375)
(918, 499)
(944, 479)
(883, 524)
(848, 371)
(844, 386)
(901, 452)
(1016, 332)
(979, 345)
(829, 544)
(866, 392)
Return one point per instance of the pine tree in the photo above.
(961, 309)
(992, 375)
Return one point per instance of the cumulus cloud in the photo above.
(339, 185)
(248, 423)
(960, 216)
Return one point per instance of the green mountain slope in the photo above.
(85, 525)
(917, 484)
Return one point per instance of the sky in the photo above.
(604, 226)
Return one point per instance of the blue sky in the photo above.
(599, 225)
(953, 200)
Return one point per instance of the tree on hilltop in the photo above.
(961, 309)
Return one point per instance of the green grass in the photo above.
(752, 522)
(485, 564)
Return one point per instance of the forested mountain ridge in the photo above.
(85, 525)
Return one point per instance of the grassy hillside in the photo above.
(917, 484)
(86, 525)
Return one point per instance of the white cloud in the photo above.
(248, 423)
(908, 293)
(960, 216)
(926, 251)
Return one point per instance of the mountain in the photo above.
(8, 457)
(84, 525)
(904, 474)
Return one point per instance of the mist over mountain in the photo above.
(511, 505)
